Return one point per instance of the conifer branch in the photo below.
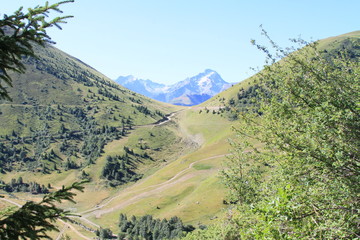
(34, 220)
(17, 34)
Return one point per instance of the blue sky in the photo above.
(169, 40)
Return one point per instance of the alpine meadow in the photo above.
(275, 156)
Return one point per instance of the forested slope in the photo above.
(63, 112)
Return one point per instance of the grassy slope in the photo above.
(196, 193)
(52, 81)
(55, 79)
(327, 42)
(57, 83)
(223, 97)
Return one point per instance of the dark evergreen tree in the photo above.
(17, 33)
(146, 227)
(34, 220)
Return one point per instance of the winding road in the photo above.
(144, 192)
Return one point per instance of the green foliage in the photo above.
(104, 233)
(215, 231)
(34, 220)
(245, 101)
(119, 169)
(350, 46)
(17, 33)
(304, 181)
(20, 186)
(78, 135)
(146, 227)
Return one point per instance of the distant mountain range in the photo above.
(189, 92)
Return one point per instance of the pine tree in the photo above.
(17, 34)
(20, 181)
(33, 220)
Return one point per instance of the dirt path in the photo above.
(10, 201)
(69, 226)
(165, 119)
(144, 192)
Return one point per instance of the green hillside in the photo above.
(64, 112)
(238, 98)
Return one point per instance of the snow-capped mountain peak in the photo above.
(191, 91)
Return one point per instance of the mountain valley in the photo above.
(68, 123)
